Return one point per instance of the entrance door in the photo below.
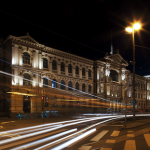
(26, 104)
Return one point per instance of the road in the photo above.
(99, 132)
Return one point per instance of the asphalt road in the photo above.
(91, 133)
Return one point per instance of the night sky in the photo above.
(70, 25)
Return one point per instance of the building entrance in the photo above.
(26, 104)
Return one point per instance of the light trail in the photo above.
(48, 130)
(44, 140)
(74, 140)
(16, 130)
(59, 83)
(31, 130)
(70, 136)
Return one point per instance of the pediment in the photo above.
(28, 38)
(117, 58)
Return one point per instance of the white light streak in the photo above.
(44, 140)
(74, 140)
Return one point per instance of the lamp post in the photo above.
(135, 26)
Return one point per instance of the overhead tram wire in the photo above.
(51, 31)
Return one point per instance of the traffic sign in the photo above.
(135, 102)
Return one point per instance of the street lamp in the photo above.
(135, 27)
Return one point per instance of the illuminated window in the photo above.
(62, 66)
(45, 63)
(26, 80)
(26, 58)
(69, 68)
(89, 73)
(54, 84)
(45, 82)
(77, 86)
(77, 70)
(54, 65)
(69, 85)
(83, 71)
(89, 88)
(62, 85)
(83, 87)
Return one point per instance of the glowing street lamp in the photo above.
(135, 26)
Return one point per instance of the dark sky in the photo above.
(88, 22)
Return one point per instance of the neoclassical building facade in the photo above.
(47, 79)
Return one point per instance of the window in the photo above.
(69, 68)
(54, 84)
(45, 63)
(114, 75)
(77, 86)
(46, 102)
(45, 82)
(54, 65)
(62, 66)
(83, 87)
(89, 73)
(62, 85)
(138, 95)
(89, 88)
(135, 95)
(26, 79)
(55, 101)
(69, 85)
(26, 58)
(77, 70)
(138, 85)
(83, 71)
(141, 96)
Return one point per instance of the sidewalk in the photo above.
(138, 122)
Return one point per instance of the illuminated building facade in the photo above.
(47, 79)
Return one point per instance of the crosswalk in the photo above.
(128, 138)
(58, 136)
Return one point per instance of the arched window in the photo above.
(83, 71)
(45, 82)
(26, 79)
(62, 85)
(54, 65)
(69, 85)
(77, 86)
(89, 73)
(54, 83)
(114, 75)
(45, 63)
(69, 68)
(83, 87)
(26, 58)
(89, 88)
(62, 66)
(77, 70)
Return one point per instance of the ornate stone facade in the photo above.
(36, 66)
